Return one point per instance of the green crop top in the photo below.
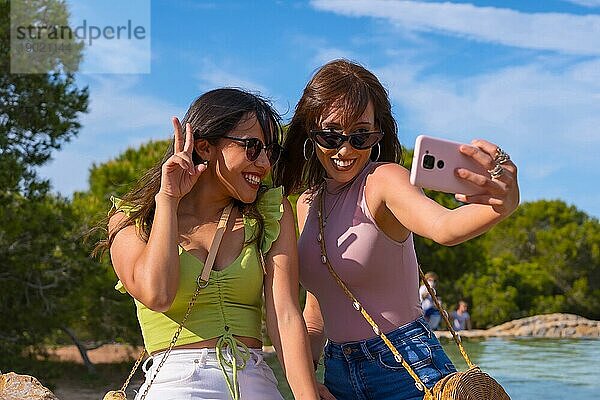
(231, 304)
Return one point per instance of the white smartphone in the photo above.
(434, 162)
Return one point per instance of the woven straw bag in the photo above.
(473, 384)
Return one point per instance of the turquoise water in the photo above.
(548, 369)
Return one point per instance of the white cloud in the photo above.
(117, 57)
(117, 108)
(326, 54)
(564, 33)
(585, 3)
(214, 76)
(119, 117)
(547, 120)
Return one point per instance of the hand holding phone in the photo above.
(434, 163)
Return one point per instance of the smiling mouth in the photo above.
(343, 165)
(252, 179)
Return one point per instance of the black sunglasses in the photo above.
(254, 146)
(333, 140)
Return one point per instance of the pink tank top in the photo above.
(380, 272)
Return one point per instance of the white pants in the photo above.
(194, 374)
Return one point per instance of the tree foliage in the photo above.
(109, 315)
(43, 269)
(38, 112)
(41, 262)
(544, 258)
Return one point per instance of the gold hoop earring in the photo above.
(378, 153)
(304, 149)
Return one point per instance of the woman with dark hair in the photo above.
(357, 214)
(198, 242)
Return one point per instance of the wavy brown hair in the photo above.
(212, 115)
(337, 84)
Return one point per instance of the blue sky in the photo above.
(523, 74)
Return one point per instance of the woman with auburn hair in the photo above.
(198, 242)
(357, 214)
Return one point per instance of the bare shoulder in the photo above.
(307, 197)
(115, 221)
(128, 232)
(305, 200)
(388, 176)
(302, 206)
(127, 244)
(390, 171)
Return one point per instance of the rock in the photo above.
(549, 326)
(18, 387)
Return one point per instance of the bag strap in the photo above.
(202, 282)
(358, 306)
(438, 305)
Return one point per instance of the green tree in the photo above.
(38, 112)
(544, 258)
(43, 265)
(109, 315)
(41, 262)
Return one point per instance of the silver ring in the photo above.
(501, 156)
(496, 172)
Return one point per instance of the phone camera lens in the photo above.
(440, 164)
(428, 161)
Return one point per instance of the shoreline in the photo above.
(551, 326)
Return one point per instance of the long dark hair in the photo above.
(213, 115)
(339, 83)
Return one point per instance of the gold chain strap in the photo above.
(455, 335)
(174, 340)
(205, 272)
(358, 307)
(135, 367)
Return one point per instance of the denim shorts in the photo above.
(366, 369)
(194, 374)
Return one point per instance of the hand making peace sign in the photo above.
(179, 174)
